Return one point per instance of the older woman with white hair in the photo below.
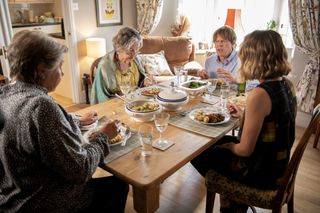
(45, 163)
(119, 66)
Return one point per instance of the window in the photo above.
(208, 15)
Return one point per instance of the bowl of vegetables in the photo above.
(142, 110)
(194, 87)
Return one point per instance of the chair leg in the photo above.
(290, 205)
(210, 201)
(316, 137)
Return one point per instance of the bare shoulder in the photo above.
(259, 99)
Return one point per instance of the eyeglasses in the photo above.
(221, 42)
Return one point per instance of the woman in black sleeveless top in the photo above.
(259, 155)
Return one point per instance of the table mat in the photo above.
(186, 123)
(118, 151)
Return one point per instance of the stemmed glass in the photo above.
(161, 122)
(126, 87)
(145, 134)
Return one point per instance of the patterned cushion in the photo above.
(239, 192)
(155, 64)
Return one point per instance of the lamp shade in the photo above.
(96, 47)
(233, 20)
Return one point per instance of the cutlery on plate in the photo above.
(124, 100)
(127, 132)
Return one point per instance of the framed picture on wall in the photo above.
(109, 12)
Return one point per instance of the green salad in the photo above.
(196, 84)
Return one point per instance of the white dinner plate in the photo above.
(122, 131)
(142, 90)
(208, 110)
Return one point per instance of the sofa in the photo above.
(178, 51)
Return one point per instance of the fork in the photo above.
(127, 132)
(185, 112)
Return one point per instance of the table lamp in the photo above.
(96, 47)
(233, 20)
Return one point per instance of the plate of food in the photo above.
(209, 116)
(150, 91)
(124, 133)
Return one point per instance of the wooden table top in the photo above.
(145, 172)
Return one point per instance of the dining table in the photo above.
(146, 173)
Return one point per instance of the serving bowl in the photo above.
(142, 110)
(194, 87)
(172, 99)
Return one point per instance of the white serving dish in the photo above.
(142, 116)
(194, 91)
(172, 99)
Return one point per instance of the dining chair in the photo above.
(266, 199)
(93, 68)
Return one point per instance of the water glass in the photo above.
(178, 72)
(212, 86)
(224, 94)
(145, 134)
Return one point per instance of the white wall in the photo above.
(86, 25)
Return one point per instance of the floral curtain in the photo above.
(305, 25)
(148, 15)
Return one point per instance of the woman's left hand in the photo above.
(88, 118)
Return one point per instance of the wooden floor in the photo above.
(67, 103)
(184, 191)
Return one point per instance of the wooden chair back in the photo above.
(270, 199)
(286, 189)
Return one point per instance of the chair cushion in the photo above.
(155, 64)
(239, 192)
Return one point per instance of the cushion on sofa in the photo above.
(178, 50)
(155, 64)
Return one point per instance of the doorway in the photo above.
(70, 41)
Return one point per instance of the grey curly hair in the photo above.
(29, 49)
(125, 39)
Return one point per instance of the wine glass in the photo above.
(161, 122)
(126, 85)
(145, 134)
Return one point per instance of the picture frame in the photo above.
(108, 12)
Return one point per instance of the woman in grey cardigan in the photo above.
(45, 165)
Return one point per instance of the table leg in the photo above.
(146, 200)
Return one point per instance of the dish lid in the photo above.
(172, 95)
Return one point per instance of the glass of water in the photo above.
(224, 94)
(145, 134)
(178, 72)
(212, 86)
